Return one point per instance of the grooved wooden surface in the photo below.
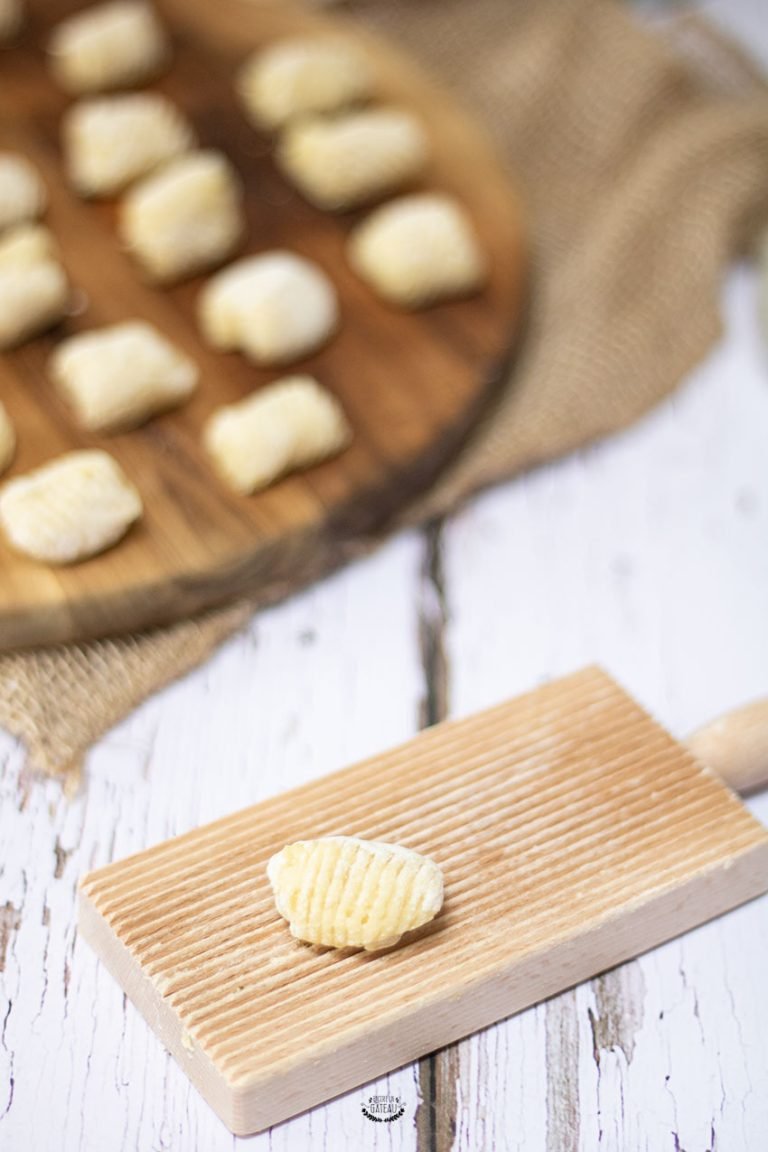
(573, 833)
(413, 385)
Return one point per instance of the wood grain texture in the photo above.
(326, 679)
(412, 385)
(162, 772)
(649, 553)
(573, 833)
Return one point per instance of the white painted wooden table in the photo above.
(648, 554)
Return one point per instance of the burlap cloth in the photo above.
(643, 159)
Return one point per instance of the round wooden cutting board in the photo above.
(413, 385)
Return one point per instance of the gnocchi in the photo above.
(24, 245)
(110, 141)
(295, 77)
(118, 377)
(7, 439)
(23, 196)
(73, 507)
(417, 250)
(111, 45)
(343, 892)
(289, 425)
(33, 297)
(11, 16)
(342, 162)
(184, 218)
(275, 307)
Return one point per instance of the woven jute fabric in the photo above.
(643, 160)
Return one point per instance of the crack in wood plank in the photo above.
(11, 1062)
(62, 855)
(424, 1119)
(433, 617)
(619, 1011)
(10, 922)
(437, 1112)
(562, 1063)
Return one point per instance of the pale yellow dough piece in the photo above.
(7, 439)
(26, 244)
(417, 250)
(289, 425)
(33, 297)
(22, 193)
(343, 892)
(70, 509)
(34, 293)
(112, 45)
(297, 77)
(350, 159)
(185, 218)
(118, 377)
(110, 141)
(11, 16)
(275, 307)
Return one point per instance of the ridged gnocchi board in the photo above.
(573, 833)
(413, 385)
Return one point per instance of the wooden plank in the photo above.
(228, 736)
(323, 680)
(413, 385)
(574, 833)
(620, 554)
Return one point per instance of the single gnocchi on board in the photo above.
(116, 378)
(417, 250)
(111, 141)
(344, 892)
(347, 160)
(185, 218)
(289, 425)
(69, 509)
(112, 45)
(275, 308)
(297, 77)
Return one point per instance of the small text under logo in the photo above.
(383, 1109)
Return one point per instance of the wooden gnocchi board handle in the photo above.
(413, 385)
(573, 832)
(736, 746)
